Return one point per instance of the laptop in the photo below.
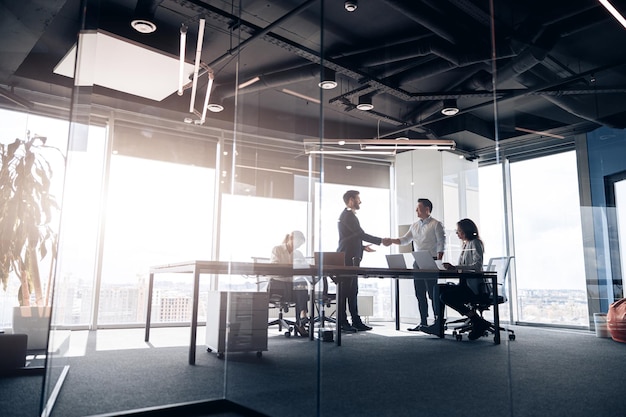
(396, 261)
(424, 260)
(330, 258)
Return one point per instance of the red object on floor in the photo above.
(616, 320)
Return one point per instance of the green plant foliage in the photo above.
(26, 214)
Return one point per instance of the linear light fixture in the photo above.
(263, 169)
(249, 82)
(539, 132)
(374, 146)
(206, 97)
(616, 14)
(183, 46)
(302, 96)
(196, 69)
(299, 170)
(323, 151)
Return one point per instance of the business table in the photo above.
(338, 273)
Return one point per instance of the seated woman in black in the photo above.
(458, 296)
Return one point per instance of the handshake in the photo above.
(387, 241)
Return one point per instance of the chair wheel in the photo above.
(287, 334)
(511, 337)
(220, 355)
(209, 350)
(259, 354)
(459, 337)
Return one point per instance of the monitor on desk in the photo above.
(330, 259)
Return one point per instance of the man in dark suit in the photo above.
(351, 237)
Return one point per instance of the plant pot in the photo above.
(34, 322)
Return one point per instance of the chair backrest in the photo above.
(329, 259)
(501, 266)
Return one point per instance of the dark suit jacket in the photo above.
(351, 236)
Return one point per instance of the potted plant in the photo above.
(27, 234)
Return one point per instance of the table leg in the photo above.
(397, 304)
(341, 308)
(496, 310)
(312, 311)
(149, 306)
(194, 315)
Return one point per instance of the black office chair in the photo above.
(280, 298)
(484, 298)
(326, 299)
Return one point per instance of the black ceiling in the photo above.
(560, 66)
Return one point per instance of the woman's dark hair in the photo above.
(469, 228)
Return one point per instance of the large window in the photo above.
(548, 241)
(157, 213)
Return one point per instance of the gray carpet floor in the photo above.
(544, 372)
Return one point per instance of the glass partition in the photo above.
(158, 190)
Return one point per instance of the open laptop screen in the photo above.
(396, 261)
(424, 260)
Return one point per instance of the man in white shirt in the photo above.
(426, 234)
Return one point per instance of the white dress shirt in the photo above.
(428, 234)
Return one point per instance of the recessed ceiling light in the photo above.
(215, 108)
(365, 103)
(143, 26)
(328, 84)
(449, 108)
(328, 81)
(351, 5)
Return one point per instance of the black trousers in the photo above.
(422, 287)
(350, 294)
(455, 296)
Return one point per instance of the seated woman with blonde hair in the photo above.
(288, 253)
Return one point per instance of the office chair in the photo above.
(326, 299)
(280, 297)
(484, 300)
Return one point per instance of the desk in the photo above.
(338, 273)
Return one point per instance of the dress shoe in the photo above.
(362, 327)
(434, 329)
(346, 328)
(302, 330)
(416, 328)
(479, 327)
